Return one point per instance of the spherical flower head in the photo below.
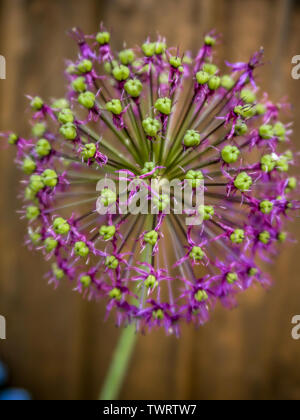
(68, 131)
(214, 83)
(264, 237)
(230, 154)
(151, 126)
(39, 129)
(268, 163)
(50, 244)
(81, 249)
(121, 72)
(197, 253)
(108, 197)
(79, 84)
(231, 278)
(248, 96)
(107, 232)
(88, 151)
(37, 103)
(201, 296)
(163, 105)
(279, 131)
(191, 138)
(207, 212)
(238, 236)
(111, 262)
(133, 87)
(61, 226)
(114, 106)
(202, 77)
(87, 99)
(103, 37)
(126, 56)
(240, 128)
(32, 212)
(151, 237)
(43, 148)
(50, 178)
(243, 181)
(194, 178)
(149, 48)
(85, 66)
(151, 282)
(29, 166)
(66, 116)
(266, 206)
(266, 131)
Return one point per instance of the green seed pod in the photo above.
(163, 105)
(85, 66)
(238, 236)
(151, 237)
(194, 178)
(133, 87)
(266, 206)
(50, 178)
(202, 77)
(230, 154)
(151, 126)
(243, 181)
(29, 166)
(68, 131)
(87, 99)
(121, 72)
(114, 106)
(191, 138)
(65, 116)
(196, 253)
(107, 232)
(103, 37)
(126, 56)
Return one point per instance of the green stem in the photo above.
(119, 364)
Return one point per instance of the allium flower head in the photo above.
(155, 113)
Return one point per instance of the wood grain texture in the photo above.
(58, 346)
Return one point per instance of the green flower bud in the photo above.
(292, 184)
(81, 249)
(158, 314)
(243, 181)
(227, 82)
(39, 129)
(267, 163)
(79, 84)
(126, 56)
(108, 197)
(282, 164)
(133, 87)
(252, 272)
(261, 109)
(35, 237)
(151, 237)
(266, 206)
(103, 38)
(163, 105)
(111, 262)
(68, 131)
(151, 126)
(121, 72)
(61, 104)
(65, 116)
(114, 106)
(201, 296)
(231, 278)
(148, 167)
(214, 83)
(206, 211)
(279, 131)
(88, 151)
(175, 62)
(266, 131)
(86, 281)
(210, 68)
(248, 96)
(50, 178)
(240, 128)
(161, 202)
(32, 212)
(36, 183)
(196, 253)
(29, 166)
(50, 244)
(160, 47)
(248, 111)
(43, 148)
(230, 154)
(108, 67)
(85, 66)
(29, 194)
(238, 236)
(151, 282)
(107, 232)
(281, 237)
(61, 226)
(87, 99)
(202, 77)
(264, 237)
(149, 48)
(191, 138)
(13, 138)
(289, 155)
(209, 40)
(58, 272)
(194, 178)
(37, 103)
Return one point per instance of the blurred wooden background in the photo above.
(58, 346)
